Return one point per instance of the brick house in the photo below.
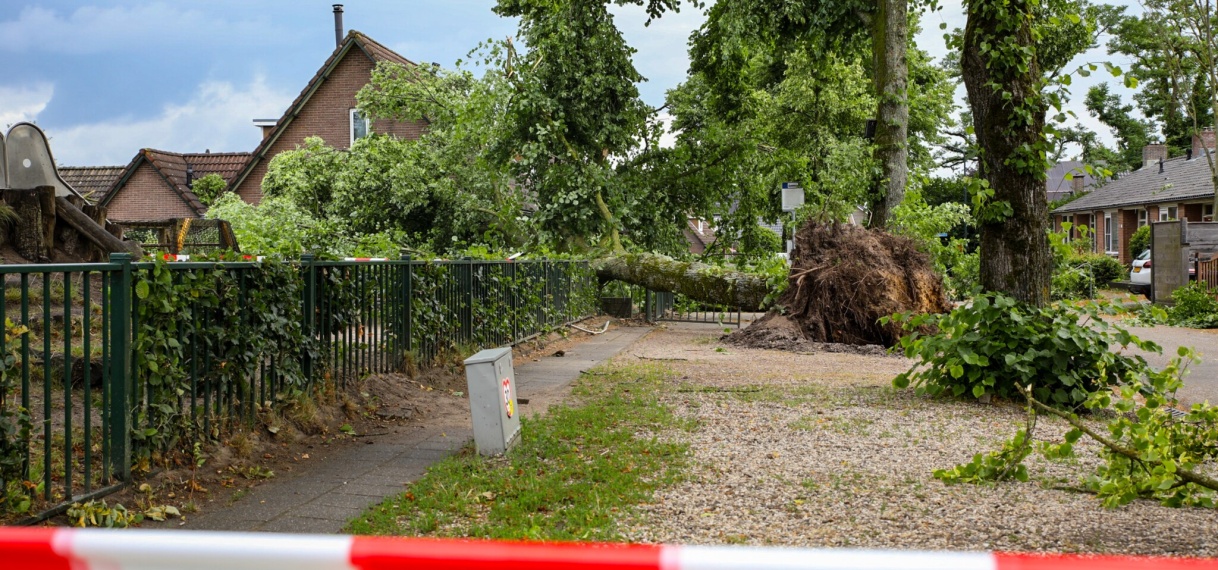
(326, 109)
(157, 184)
(1163, 189)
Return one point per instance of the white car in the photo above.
(1140, 273)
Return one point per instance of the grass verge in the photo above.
(575, 473)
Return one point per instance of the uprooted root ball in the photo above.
(843, 280)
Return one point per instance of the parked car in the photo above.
(1140, 272)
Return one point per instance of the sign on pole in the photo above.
(792, 196)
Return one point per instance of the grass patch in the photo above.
(576, 472)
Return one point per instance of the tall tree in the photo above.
(817, 25)
(1131, 132)
(1010, 52)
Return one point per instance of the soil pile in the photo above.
(843, 280)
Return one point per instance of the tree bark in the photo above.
(28, 232)
(92, 231)
(1015, 257)
(698, 281)
(889, 41)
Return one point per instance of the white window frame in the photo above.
(1165, 212)
(353, 115)
(1143, 217)
(1069, 219)
(1109, 233)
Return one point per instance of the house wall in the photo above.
(326, 115)
(1191, 212)
(1129, 224)
(147, 196)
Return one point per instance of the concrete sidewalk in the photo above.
(323, 496)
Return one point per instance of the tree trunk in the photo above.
(698, 281)
(889, 41)
(95, 233)
(1008, 119)
(29, 236)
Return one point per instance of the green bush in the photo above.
(1078, 276)
(1104, 269)
(1072, 282)
(1194, 306)
(1139, 241)
(996, 343)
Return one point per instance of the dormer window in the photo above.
(360, 125)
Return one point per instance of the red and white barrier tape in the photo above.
(186, 257)
(92, 549)
(365, 259)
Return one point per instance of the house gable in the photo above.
(156, 184)
(323, 110)
(144, 194)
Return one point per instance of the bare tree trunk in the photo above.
(889, 40)
(1015, 257)
(694, 280)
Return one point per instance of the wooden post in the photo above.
(28, 238)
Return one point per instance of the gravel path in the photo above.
(819, 450)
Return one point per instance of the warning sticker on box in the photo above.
(508, 405)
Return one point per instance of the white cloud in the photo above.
(23, 103)
(92, 29)
(218, 118)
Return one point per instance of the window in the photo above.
(1109, 233)
(360, 126)
(1068, 219)
(1143, 217)
(1167, 213)
(1207, 212)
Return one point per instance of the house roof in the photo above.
(92, 182)
(354, 40)
(699, 238)
(172, 166)
(1181, 179)
(1059, 181)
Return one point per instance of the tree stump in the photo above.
(29, 232)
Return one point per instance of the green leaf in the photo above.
(141, 290)
(978, 391)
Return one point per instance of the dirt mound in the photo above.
(843, 280)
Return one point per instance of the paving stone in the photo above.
(303, 525)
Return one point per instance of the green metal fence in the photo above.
(84, 399)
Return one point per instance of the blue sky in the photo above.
(105, 78)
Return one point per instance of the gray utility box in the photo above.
(492, 400)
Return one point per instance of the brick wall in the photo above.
(147, 196)
(1098, 236)
(327, 115)
(1129, 224)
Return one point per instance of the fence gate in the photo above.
(668, 306)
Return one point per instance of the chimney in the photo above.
(338, 25)
(1153, 153)
(1076, 183)
(1203, 140)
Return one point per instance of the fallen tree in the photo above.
(843, 279)
(706, 283)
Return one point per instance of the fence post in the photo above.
(119, 411)
(405, 315)
(310, 316)
(467, 312)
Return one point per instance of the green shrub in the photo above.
(1104, 269)
(1194, 306)
(1139, 241)
(996, 343)
(1072, 282)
